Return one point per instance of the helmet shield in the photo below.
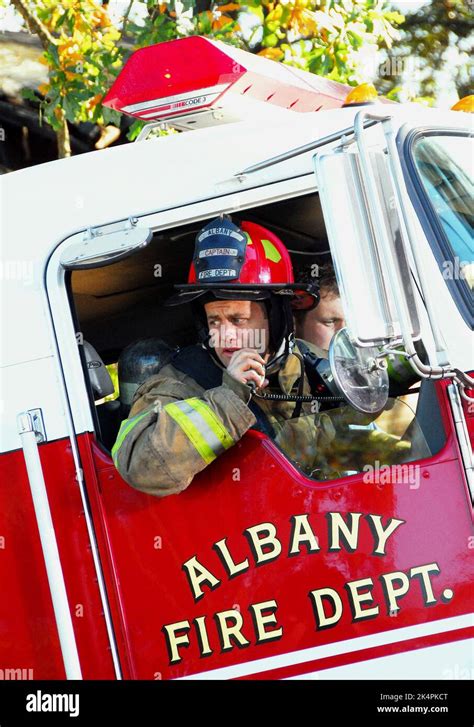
(237, 263)
(219, 252)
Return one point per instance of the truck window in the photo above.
(121, 304)
(445, 167)
(343, 442)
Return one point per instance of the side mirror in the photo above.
(360, 247)
(359, 373)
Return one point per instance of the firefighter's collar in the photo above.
(290, 373)
(316, 350)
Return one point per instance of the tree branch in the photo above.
(34, 23)
(47, 40)
(125, 17)
(63, 137)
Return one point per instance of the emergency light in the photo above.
(196, 82)
(464, 104)
(361, 95)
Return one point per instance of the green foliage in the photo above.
(82, 57)
(135, 129)
(138, 125)
(85, 51)
(437, 37)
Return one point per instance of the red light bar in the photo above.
(195, 82)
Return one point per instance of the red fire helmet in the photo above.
(247, 262)
(266, 260)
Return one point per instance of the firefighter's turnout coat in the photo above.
(193, 411)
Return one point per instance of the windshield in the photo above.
(342, 441)
(446, 167)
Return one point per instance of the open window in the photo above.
(122, 303)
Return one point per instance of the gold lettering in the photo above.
(260, 621)
(228, 631)
(197, 574)
(259, 545)
(392, 594)
(302, 533)
(323, 621)
(174, 640)
(380, 533)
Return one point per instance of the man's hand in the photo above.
(247, 365)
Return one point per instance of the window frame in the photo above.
(429, 219)
(84, 415)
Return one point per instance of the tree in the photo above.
(80, 50)
(84, 50)
(322, 36)
(436, 38)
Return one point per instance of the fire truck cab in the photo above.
(258, 570)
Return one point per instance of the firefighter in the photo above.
(205, 399)
(352, 449)
(315, 329)
(317, 326)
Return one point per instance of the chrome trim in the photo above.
(431, 371)
(83, 492)
(463, 435)
(49, 546)
(409, 236)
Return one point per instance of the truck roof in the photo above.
(42, 205)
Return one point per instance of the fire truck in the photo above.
(258, 570)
